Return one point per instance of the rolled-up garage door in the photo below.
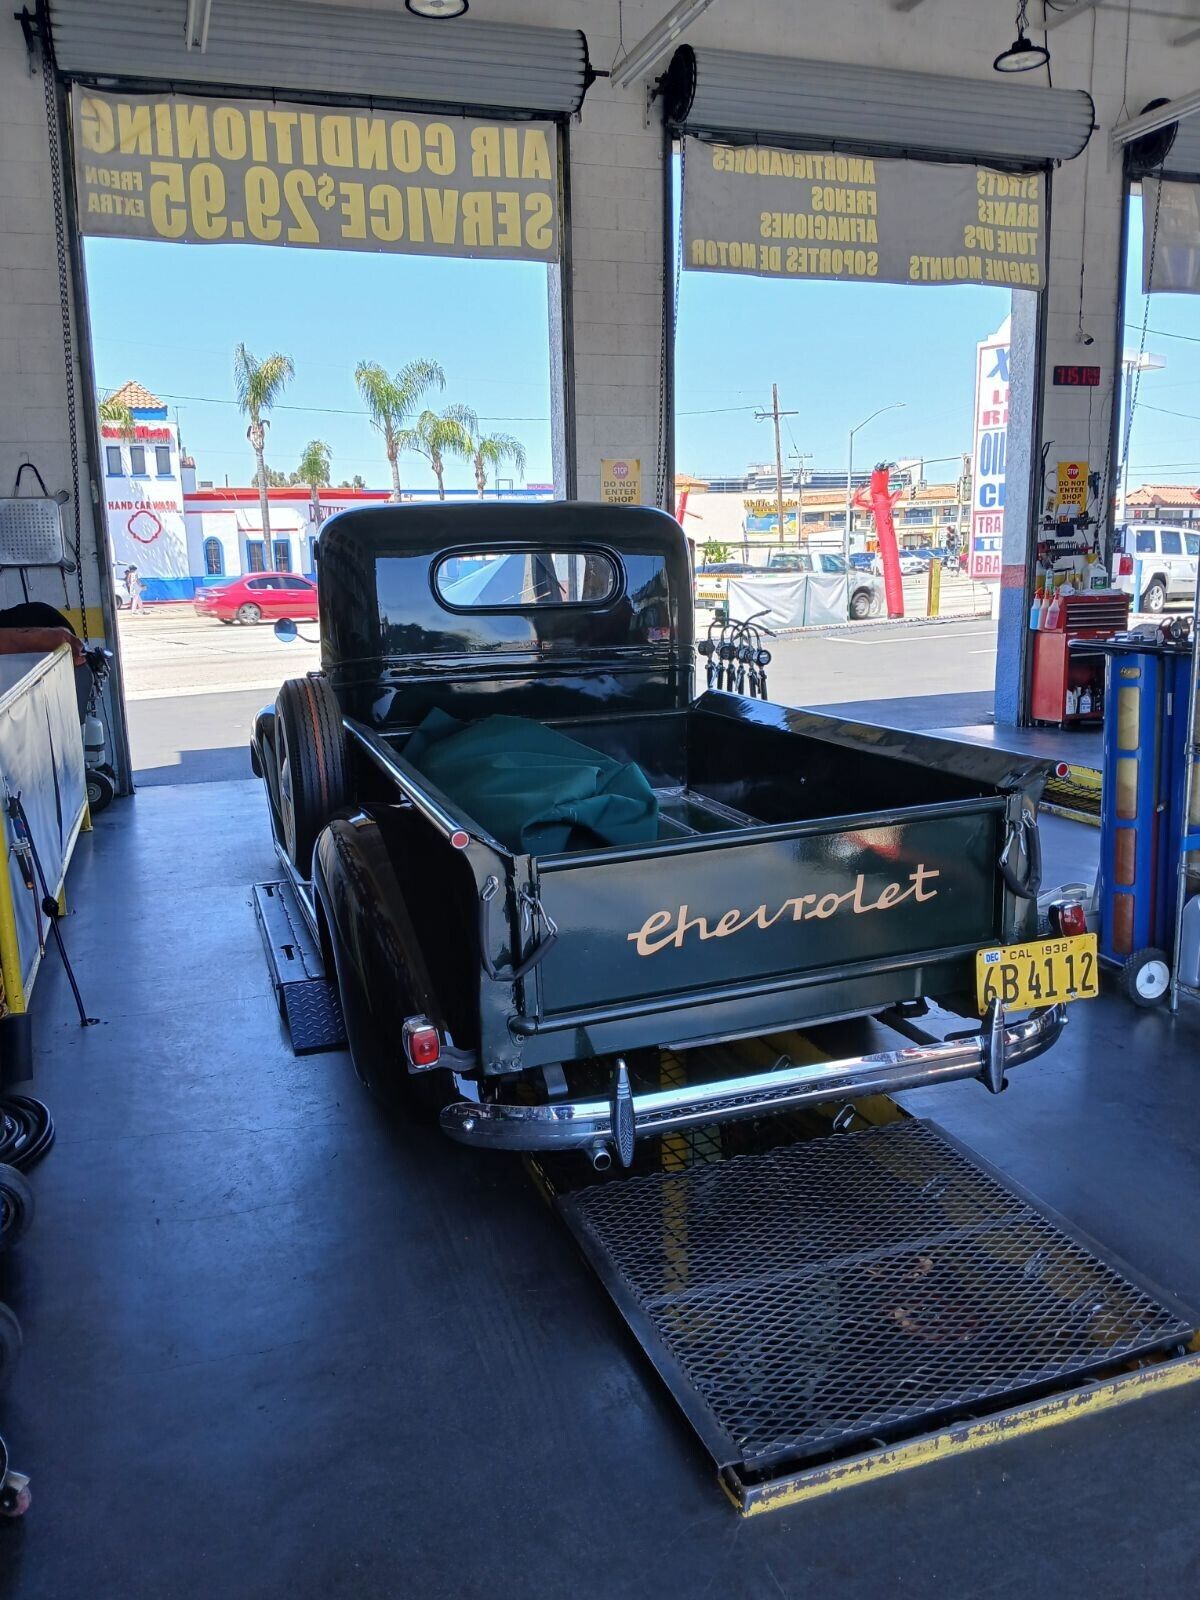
(731, 95)
(332, 50)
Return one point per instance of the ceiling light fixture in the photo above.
(437, 10)
(661, 39)
(1022, 54)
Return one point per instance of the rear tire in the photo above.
(16, 1198)
(860, 604)
(10, 1343)
(310, 753)
(1146, 977)
(1155, 596)
(249, 612)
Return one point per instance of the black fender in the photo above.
(381, 974)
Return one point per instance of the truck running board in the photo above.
(308, 1001)
(826, 1303)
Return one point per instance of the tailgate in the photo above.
(700, 916)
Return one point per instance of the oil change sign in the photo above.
(989, 464)
(210, 171)
(797, 214)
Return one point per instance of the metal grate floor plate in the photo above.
(851, 1288)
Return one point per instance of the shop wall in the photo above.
(33, 408)
(615, 281)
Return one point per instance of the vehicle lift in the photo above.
(835, 1295)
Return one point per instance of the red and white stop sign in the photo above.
(1073, 471)
(620, 469)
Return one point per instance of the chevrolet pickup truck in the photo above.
(521, 956)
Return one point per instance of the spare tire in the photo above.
(310, 748)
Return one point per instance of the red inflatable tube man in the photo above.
(879, 500)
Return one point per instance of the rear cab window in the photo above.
(519, 579)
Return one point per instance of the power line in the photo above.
(1161, 333)
(1188, 416)
(348, 411)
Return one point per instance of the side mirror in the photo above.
(286, 630)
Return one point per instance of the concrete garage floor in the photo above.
(277, 1346)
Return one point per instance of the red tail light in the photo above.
(1124, 565)
(421, 1043)
(1068, 917)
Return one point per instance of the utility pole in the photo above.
(775, 414)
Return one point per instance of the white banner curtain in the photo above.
(1170, 237)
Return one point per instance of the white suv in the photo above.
(1155, 564)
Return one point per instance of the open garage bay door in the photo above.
(335, 51)
(730, 95)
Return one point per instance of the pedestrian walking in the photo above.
(134, 584)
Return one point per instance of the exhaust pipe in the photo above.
(600, 1156)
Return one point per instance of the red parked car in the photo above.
(259, 597)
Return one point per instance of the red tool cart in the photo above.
(1068, 685)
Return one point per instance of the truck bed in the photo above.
(805, 868)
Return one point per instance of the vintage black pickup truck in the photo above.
(538, 864)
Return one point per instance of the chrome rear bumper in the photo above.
(592, 1124)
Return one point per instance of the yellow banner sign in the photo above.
(1072, 484)
(806, 214)
(621, 481)
(214, 171)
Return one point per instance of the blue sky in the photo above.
(838, 351)
(170, 315)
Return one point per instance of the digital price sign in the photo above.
(1077, 377)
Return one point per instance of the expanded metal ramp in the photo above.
(855, 1290)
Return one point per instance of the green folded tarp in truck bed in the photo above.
(533, 789)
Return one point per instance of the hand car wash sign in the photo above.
(991, 450)
(209, 171)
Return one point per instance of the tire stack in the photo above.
(26, 1133)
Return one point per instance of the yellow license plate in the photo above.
(1044, 973)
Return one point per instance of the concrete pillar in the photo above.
(33, 387)
(616, 282)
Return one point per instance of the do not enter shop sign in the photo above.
(621, 481)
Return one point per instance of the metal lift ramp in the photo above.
(864, 1301)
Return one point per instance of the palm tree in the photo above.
(118, 413)
(392, 399)
(259, 385)
(437, 435)
(315, 470)
(490, 450)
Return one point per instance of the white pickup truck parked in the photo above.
(1156, 563)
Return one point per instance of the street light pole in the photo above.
(848, 524)
(848, 529)
(1132, 365)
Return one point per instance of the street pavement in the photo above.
(193, 685)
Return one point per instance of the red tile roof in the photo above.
(1163, 494)
(137, 397)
